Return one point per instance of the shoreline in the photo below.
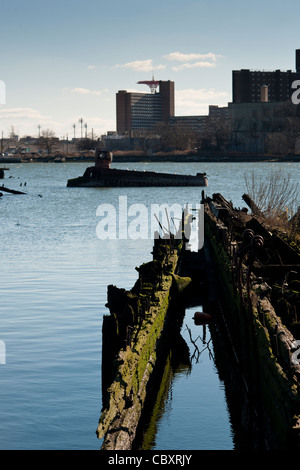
(169, 158)
(206, 158)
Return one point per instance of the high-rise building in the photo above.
(247, 84)
(144, 110)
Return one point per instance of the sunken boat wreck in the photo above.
(134, 338)
(249, 273)
(102, 175)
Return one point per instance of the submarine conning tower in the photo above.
(103, 158)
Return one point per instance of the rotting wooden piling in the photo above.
(132, 337)
(252, 285)
(2, 170)
(258, 289)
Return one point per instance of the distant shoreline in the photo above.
(207, 158)
(166, 158)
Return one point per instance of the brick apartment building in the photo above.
(143, 110)
(246, 84)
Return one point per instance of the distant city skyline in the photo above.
(66, 60)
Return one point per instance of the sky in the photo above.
(65, 60)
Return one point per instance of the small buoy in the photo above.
(201, 318)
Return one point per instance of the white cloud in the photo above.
(91, 67)
(19, 113)
(196, 102)
(195, 65)
(141, 66)
(201, 94)
(179, 57)
(86, 91)
(192, 61)
(81, 91)
(189, 61)
(25, 121)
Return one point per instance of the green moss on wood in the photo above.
(136, 362)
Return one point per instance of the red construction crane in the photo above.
(152, 84)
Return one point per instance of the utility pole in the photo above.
(81, 122)
(74, 126)
(39, 128)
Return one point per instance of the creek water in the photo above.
(54, 276)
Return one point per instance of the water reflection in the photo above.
(205, 344)
(177, 362)
(55, 273)
(190, 409)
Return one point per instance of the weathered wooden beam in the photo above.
(13, 191)
(252, 205)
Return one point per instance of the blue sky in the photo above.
(65, 60)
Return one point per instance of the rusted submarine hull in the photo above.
(112, 177)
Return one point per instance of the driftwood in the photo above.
(13, 191)
(252, 205)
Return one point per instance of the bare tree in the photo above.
(218, 133)
(88, 143)
(48, 140)
(184, 137)
(276, 143)
(275, 195)
(175, 136)
(237, 127)
(284, 129)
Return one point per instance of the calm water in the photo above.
(54, 277)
